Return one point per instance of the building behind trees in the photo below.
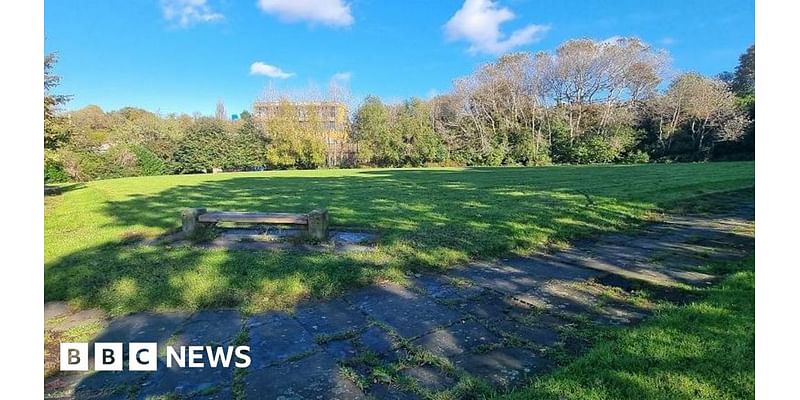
(328, 118)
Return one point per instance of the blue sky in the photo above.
(183, 55)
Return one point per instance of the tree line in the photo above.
(89, 143)
(585, 102)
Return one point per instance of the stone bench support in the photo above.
(189, 217)
(318, 224)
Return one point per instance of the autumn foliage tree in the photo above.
(295, 136)
(702, 108)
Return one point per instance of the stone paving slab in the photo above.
(522, 274)
(505, 366)
(543, 334)
(330, 317)
(690, 254)
(648, 272)
(53, 309)
(206, 383)
(209, 327)
(684, 232)
(145, 327)
(664, 237)
(497, 277)
(561, 297)
(204, 328)
(445, 289)
(618, 253)
(702, 253)
(430, 378)
(570, 299)
(459, 338)
(493, 306)
(65, 321)
(376, 340)
(652, 241)
(408, 313)
(545, 269)
(340, 350)
(733, 242)
(109, 385)
(276, 337)
(313, 377)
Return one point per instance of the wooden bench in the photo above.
(197, 219)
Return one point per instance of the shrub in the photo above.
(54, 170)
(609, 146)
(114, 162)
(148, 162)
(204, 147)
(635, 157)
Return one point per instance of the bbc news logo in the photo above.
(144, 356)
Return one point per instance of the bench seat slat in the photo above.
(254, 218)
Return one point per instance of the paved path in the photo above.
(493, 323)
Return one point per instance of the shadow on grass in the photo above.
(427, 219)
(53, 190)
(702, 350)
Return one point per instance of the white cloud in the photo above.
(259, 68)
(188, 12)
(342, 76)
(326, 12)
(478, 22)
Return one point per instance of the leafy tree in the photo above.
(90, 118)
(113, 162)
(55, 130)
(744, 78)
(378, 143)
(744, 85)
(158, 134)
(727, 77)
(295, 144)
(249, 146)
(414, 126)
(203, 147)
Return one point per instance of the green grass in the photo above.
(426, 219)
(702, 350)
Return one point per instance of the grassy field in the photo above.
(702, 350)
(429, 218)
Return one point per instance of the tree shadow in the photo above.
(427, 219)
(53, 190)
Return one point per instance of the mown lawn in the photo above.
(702, 350)
(427, 218)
